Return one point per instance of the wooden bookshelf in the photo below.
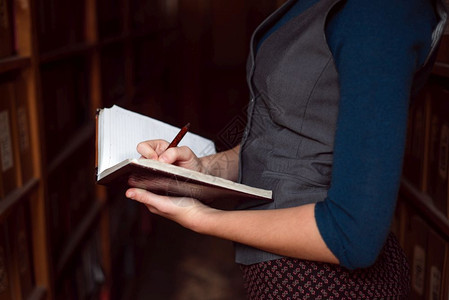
(59, 62)
(14, 63)
(423, 203)
(423, 209)
(441, 69)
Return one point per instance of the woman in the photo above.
(330, 84)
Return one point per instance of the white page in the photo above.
(124, 129)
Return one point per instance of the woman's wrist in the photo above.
(223, 164)
(204, 220)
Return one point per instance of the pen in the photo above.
(179, 136)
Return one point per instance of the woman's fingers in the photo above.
(152, 149)
(182, 156)
(183, 210)
(157, 150)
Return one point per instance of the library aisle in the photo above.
(64, 237)
(179, 264)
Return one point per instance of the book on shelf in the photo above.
(6, 289)
(438, 157)
(65, 102)
(415, 248)
(436, 251)
(59, 24)
(113, 70)
(21, 250)
(80, 185)
(446, 274)
(6, 29)
(23, 130)
(8, 159)
(416, 147)
(118, 133)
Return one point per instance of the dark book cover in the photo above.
(6, 29)
(438, 158)
(436, 251)
(6, 282)
(416, 249)
(170, 180)
(8, 157)
(20, 243)
(23, 131)
(414, 167)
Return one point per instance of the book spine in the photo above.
(66, 102)
(19, 241)
(59, 223)
(436, 251)
(81, 187)
(7, 154)
(6, 290)
(97, 133)
(6, 29)
(23, 132)
(416, 246)
(113, 72)
(446, 274)
(437, 181)
(417, 133)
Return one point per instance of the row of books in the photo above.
(16, 261)
(71, 195)
(65, 95)
(426, 161)
(113, 74)
(145, 16)
(15, 145)
(156, 69)
(62, 24)
(130, 226)
(86, 277)
(153, 15)
(427, 251)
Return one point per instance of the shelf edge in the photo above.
(424, 204)
(13, 63)
(76, 238)
(16, 196)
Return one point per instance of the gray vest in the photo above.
(288, 143)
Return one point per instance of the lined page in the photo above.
(121, 130)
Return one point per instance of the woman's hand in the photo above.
(186, 211)
(289, 231)
(181, 156)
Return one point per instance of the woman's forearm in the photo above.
(290, 232)
(223, 164)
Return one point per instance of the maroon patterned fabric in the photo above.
(288, 278)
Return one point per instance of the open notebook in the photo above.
(120, 130)
(118, 133)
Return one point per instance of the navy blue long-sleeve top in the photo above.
(377, 46)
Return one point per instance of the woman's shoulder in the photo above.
(377, 13)
(387, 25)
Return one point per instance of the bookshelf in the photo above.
(61, 236)
(422, 214)
(59, 61)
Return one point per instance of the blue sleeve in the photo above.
(377, 47)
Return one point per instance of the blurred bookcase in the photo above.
(61, 236)
(422, 215)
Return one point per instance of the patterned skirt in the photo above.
(287, 278)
